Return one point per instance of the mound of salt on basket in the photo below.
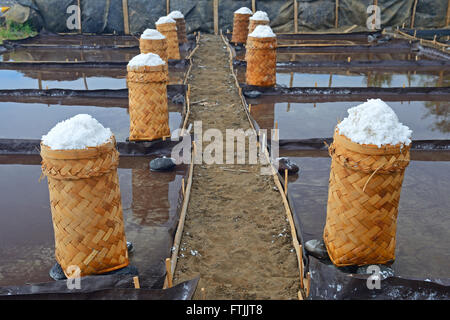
(80, 160)
(260, 18)
(147, 90)
(168, 27)
(370, 153)
(181, 25)
(261, 57)
(152, 41)
(240, 25)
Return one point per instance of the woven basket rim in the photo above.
(74, 154)
(370, 149)
(148, 69)
(243, 14)
(266, 39)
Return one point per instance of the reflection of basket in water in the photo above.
(149, 114)
(181, 30)
(86, 208)
(364, 194)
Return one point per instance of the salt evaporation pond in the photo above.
(423, 229)
(151, 203)
(32, 120)
(429, 120)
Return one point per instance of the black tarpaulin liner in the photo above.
(106, 16)
(98, 288)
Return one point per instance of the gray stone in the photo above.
(162, 164)
(178, 99)
(317, 249)
(252, 94)
(286, 163)
(385, 271)
(57, 273)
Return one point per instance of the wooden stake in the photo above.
(136, 283)
(308, 284)
(447, 23)
(126, 22)
(349, 59)
(183, 187)
(295, 16)
(216, 16)
(286, 175)
(413, 17)
(254, 6)
(80, 30)
(250, 108)
(169, 273)
(336, 23)
(203, 293)
(168, 6)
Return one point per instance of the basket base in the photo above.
(57, 273)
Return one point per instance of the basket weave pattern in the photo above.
(240, 28)
(148, 105)
(169, 30)
(254, 23)
(181, 30)
(86, 208)
(364, 194)
(157, 46)
(261, 59)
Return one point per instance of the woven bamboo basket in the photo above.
(254, 23)
(363, 198)
(181, 30)
(86, 208)
(261, 59)
(149, 113)
(169, 30)
(157, 46)
(240, 28)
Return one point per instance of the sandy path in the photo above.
(236, 220)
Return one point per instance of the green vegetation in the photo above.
(10, 30)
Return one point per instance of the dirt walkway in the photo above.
(236, 219)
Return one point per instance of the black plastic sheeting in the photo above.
(98, 288)
(106, 16)
(329, 283)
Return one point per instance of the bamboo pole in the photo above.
(169, 273)
(286, 180)
(295, 16)
(336, 23)
(168, 6)
(126, 22)
(137, 285)
(413, 17)
(216, 16)
(254, 6)
(447, 23)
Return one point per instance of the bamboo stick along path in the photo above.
(236, 235)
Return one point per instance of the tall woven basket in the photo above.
(363, 198)
(240, 28)
(254, 23)
(169, 30)
(157, 46)
(86, 208)
(181, 30)
(261, 59)
(149, 113)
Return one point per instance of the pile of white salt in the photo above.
(145, 59)
(260, 16)
(262, 32)
(374, 122)
(164, 20)
(176, 15)
(79, 132)
(152, 34)
(244, 10)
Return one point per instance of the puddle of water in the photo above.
(32, 121)
(423, 229)
(327, 56)
(93, 79)
(61, 55)
(150, 202)
(428, 119)
(364, 79)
